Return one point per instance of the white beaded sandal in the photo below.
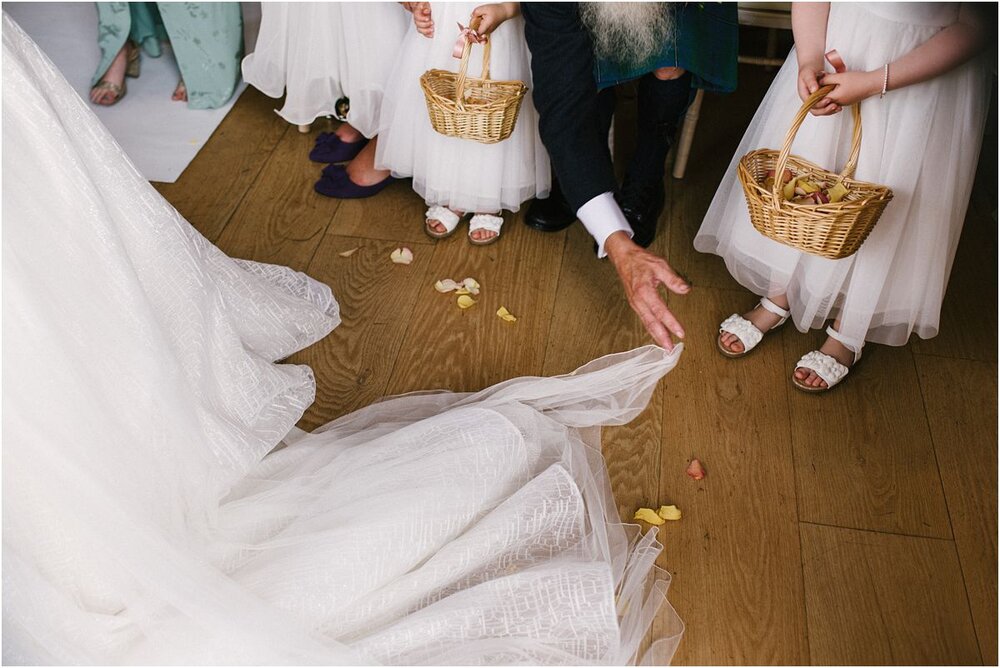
(825, 366)
(746, 331)
(488, 222)
(446, 217)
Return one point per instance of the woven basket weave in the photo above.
(482, 109)
(835, 230)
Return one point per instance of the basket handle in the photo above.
(786, 149)
(463, 69)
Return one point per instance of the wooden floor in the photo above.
(854, 528)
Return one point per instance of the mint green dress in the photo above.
(206, 37)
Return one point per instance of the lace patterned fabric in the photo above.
(144, 520)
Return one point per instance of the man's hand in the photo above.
(641, 273)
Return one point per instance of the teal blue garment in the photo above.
(707, 45)
(206, 38)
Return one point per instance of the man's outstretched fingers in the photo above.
(672, 280)
(663, 315)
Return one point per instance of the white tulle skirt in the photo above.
(922, 141)
(144, 521)
(458, 173)
(315, 53)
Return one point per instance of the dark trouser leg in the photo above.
(661, 104)
(660, 107)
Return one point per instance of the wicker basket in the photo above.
(835, 230)
(480, 109)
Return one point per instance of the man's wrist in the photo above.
(617, 243)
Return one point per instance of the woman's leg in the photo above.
(362, 170)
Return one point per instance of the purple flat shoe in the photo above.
(336, 183)
(331, 148)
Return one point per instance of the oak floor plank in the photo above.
(353, 364)
(465, 350)
(281, 220)
(875, 598)
(735, 552)
(397, 214)
(209, 190)
(960, 397)
(863, 452)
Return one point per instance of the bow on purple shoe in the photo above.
(336, 183)
(331, 148)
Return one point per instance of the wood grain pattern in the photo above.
(377, 300)
(463, 350)
(735, 553)
(875, 598)
(281, 220)
(208, 191)
(960, 398)
(863, 453)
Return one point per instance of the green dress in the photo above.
(206, 37)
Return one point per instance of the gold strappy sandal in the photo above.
(118, 92)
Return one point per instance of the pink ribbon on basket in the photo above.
(834, 59)
(465, 36)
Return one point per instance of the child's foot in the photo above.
(361, 170)
(111, 87)
(440, 221)
(761, 318)
(834, 349)
(180, 93)
(484, 228)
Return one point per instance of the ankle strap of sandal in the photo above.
(773, 308)
(854, 345)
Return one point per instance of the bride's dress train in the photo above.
(144, 520)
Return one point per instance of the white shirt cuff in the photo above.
(603, 217)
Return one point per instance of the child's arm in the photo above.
(942, 53)
(492, 15)
(809, 30)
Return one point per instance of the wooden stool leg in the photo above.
(304, 129)
(687, 135)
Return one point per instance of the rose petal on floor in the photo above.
(401, 255)
(472, 285)
(465, 301)
(648, 515)
(504, 314)
(695, 470)
(348, 253)
(669, 512)
(445, 285)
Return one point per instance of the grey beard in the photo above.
(628, 32)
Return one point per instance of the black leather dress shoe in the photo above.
(551, 214)
(642, 206)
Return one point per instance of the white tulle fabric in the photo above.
(144, 521)
(922, 141)
(458, 173)
(314, 53)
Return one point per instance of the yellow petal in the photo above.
(462, 291)
(837, 192)
(669, 512)
(506, 315)
(445, 285)
(465, 301)
(648, 515)
(789, 190)
(808, 186)
(401, 255)
(348, 253)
